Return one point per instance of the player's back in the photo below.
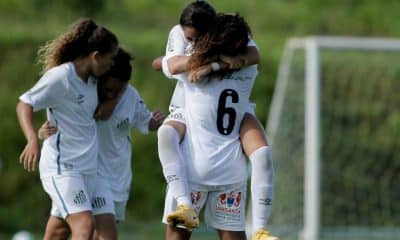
(214, 111)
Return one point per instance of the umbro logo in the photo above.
(265, 201)
(80, 99)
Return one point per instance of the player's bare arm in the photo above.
(251, 57)
(30, 155)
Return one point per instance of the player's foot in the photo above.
(183, 217)
(263, 234)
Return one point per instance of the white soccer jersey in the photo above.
(177, 45)
(70, 105)
(214, 110)
(115, 148)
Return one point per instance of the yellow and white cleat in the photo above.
(263, 234)
(184, 217)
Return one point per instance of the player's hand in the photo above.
(234, 62)
(157, 63)
(199, 73)
(156, 120)
(30, 155)
(46, 130)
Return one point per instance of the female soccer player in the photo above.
(214, 109)
(115, 149)
(68, 91)
(254, 143)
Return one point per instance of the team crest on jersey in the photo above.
(123, 124)
(229, 203)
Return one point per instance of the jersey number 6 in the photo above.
(224, 111)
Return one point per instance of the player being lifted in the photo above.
(196, 20)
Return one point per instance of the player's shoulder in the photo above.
(177, 29)
(132, 93)
(59, 74)
(59, 71)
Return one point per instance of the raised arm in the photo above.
(30, 155)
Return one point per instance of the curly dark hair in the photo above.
(83, 37)
(230, 38)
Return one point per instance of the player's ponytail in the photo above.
(84, 37)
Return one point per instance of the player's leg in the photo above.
(81, 225)
(56, 229)
(104, 211)
(174, 233)
(231, 235)
(256, 147)
(105, 227)
(170, 134)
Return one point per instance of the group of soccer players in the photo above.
(203, 143)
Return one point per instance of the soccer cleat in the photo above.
(263, 234)
(183, 217)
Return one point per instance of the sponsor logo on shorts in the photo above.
(229, 203)
(80, 197)
(195, 197)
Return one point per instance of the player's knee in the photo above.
(82, 226)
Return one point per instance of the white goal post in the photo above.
(311, 127)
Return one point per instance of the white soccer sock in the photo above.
(172, 163)
(262, 186)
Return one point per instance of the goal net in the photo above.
(334, 124)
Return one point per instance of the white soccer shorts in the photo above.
(224, 205)
(69, 193)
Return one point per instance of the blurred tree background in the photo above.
(142, 27)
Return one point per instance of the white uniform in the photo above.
(214, 111)
(115, 149)
(70, 155)
(215, 164)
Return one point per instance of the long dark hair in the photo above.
(200, 15)
(230, 37)
(83, 37)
